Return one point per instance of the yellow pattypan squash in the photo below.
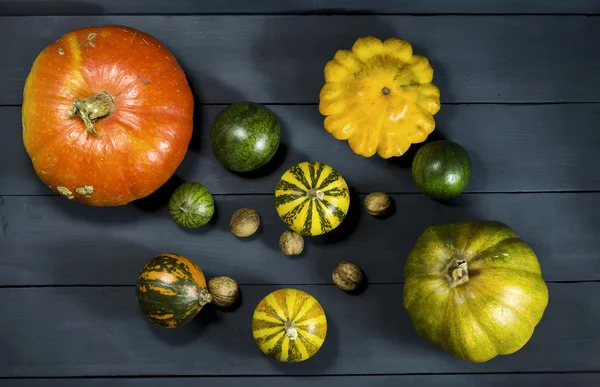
(379, 97)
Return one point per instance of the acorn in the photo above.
(347, 276)
(291, 243)
(224, 291)
(377, 203)
(244, 222)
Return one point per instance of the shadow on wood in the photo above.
(322, 361)
(348, 225)
(159, 198)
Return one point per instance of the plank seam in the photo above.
(502, 103)
(547, 192)
(249, 284)
(311, 13)
(175, 376)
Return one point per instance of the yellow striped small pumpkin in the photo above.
(289, 325)
(312, 198)
(171, 290)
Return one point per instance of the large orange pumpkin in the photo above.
(107, 115)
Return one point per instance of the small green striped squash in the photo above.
(289, 325)
(191, 205)
(312, 198)
(171, 290)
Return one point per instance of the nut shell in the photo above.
(224, 291)
(347, 276)
(291, 243)
(377, 203)
(244, 222)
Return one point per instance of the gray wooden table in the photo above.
(520, 84)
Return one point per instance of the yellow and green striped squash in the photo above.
(171, 290)
(289, 325)
(312, 198)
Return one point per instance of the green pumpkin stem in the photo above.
(204, 297)
(93, 108)
(457, 273)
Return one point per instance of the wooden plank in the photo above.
(98, 7)
(50, 241)
(101, 331)
(472, 380)
(280, 59)
(513, 148)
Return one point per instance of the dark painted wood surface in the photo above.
(115, 243)
(472, 380)
(521, 93)
(280, 59)
(52, 7)
(515, 148)
(100, 331)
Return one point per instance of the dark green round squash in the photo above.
(245, 136)
(441, 169)
(171, 290)
(191, 205)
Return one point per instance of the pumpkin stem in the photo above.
(204, 297)
(385, 91)
(93, 108)
(458, 273)
(315, 193)
(290, 330)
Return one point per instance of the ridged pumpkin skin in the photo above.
(312, 198)
(139, 108)
(289, 325)
(379, 97)
(474, 288)
(171, 290)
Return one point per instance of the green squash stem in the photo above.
(457, 273)
(204, 297)
(93, 108)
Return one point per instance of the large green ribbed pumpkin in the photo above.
(474, 288)
(171, 290)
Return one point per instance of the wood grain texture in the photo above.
(513, 148)
(100, 331)
(97, 7)
(472, 380)
(50, 241)
(280, 59)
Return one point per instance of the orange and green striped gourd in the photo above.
(312, 198)
(289, 325)
(171, 290)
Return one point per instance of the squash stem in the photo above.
(457, 273)
(93, 108)
(290, 330)
(315, 193)
(204, 297)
